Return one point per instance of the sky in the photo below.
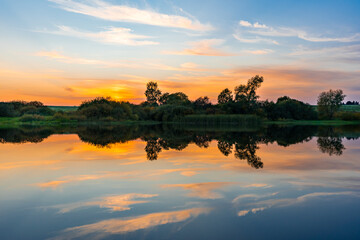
(62, 52)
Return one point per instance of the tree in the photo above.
(225, 96)
(152, 92)
(202, 102)
(177, 98)
(329, 103)
(248, 92)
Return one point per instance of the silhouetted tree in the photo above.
(152, 93)
(247, 92)
(202, 102)
(225, 96)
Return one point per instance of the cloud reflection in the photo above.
(201, 190)
(125, 225)
(114, 203)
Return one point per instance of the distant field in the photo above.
(347, 108)
(350, 108)
(64, 108)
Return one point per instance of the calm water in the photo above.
(163, 182)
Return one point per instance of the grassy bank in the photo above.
(63, 108)
(49, 121)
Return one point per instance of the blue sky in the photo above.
(66, 51)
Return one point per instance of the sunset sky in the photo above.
(62, 52)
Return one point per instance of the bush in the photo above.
(348, 116)
(102, 108)
(7, 110)
(169, 113)
(31, 118)
(61, 116)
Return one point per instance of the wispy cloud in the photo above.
(122, 13)
(111, 35)
(264, 30)
(123, 225)
(238, 36)
(206, 47)
(185, 67)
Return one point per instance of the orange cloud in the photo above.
(203, 48)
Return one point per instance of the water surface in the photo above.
(167, 182)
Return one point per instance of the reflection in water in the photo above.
(331, 145)
(114, 203)
(244, 144)
(120, 226)
(96, 182)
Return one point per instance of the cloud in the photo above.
(259, 52)
(122, 13)
(185, 67)
(255, 25)
(258, 185)
(203, 48)
(114, 203)
(112, 35)
(124, 225)
(264, 30)
(201, 190)
(256, 39)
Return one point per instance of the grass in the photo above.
(63, 108)
(49, 121)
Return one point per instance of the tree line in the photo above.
(173, 107)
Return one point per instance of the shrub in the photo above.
(31, 118)
(348, 116)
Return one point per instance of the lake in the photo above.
(176, 182)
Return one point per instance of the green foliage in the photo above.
(287, 108)
(329, 103)
(348, 116)
(7, 110)
(177, 98)
(103, 108)
(31, 118)
(20, 108)
(168, 112)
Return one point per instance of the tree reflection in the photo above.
(225, 147)
(243, 143)
(331, 145)
(152, 149)
(247, 151)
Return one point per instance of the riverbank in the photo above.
(50, 121)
